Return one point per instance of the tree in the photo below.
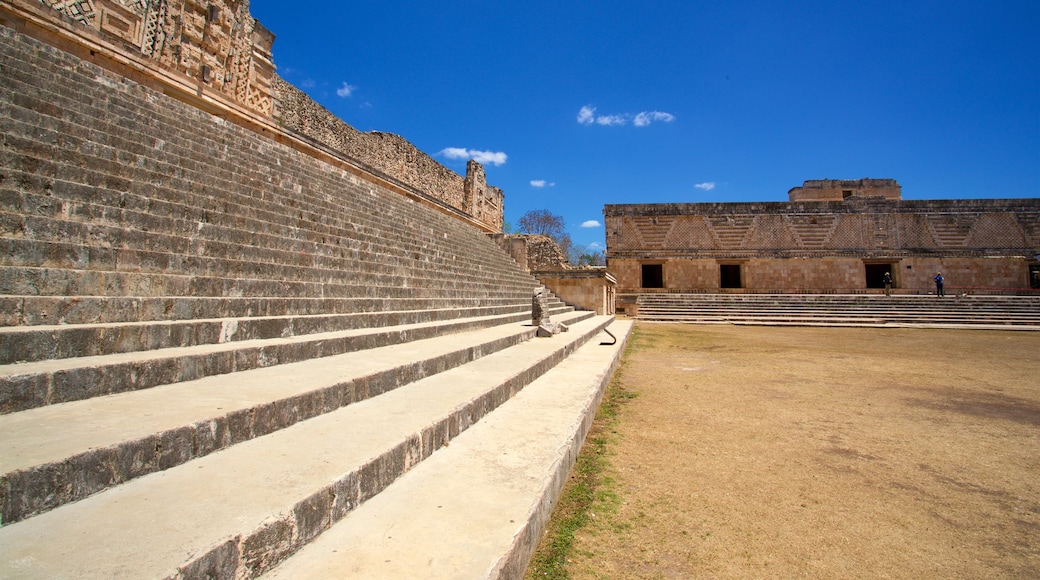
(544, 222)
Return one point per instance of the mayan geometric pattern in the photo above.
(952, 230)
(848, 233)
(216, 43)
(691, 232)
(812, 231)
(914, 233)
(771, 232)
(732, 231)
(998, 230)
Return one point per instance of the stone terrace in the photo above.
(214, 348)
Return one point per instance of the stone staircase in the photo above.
(215, 350)
(974, 311)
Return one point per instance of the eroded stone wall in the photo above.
(390, 155)
(839, 189)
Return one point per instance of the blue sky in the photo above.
(571, 105)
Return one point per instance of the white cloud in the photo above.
(346, 90)
(590, 224)
(587, 116)
(542, 183)
(483, 157)
(706, 186)
(646, 117)
(594, 246)
(610, 120)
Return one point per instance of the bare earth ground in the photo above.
(778, 452)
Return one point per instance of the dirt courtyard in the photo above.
(780, 452)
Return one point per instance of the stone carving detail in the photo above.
(215, 42)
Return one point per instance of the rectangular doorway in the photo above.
(875, 274)
(653, 276)
(729, 276)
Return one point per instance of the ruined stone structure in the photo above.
(832, 237)
(588, 288)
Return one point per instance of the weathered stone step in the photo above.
(973, 312)
(240, 511)
(18, 310)
(61, 453)
(20, 280)
(477, 508)
(184, 211)
(36, 343)
(35, 240)
(22, 253)
(36, 384)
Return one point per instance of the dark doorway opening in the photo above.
(729, 276)
(1034, 276)
(876, 274)
(653, 276)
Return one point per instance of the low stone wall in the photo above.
(584, 289)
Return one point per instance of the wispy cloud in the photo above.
(483, 157)
(587, 116)
(542, 183)
(706, 186)
(345, 90)
(590, 224)
(645, 118)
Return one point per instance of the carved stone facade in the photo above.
(825, 246)
(216, 42)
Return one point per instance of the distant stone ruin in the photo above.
(834, 236)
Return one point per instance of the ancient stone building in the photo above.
(831, 237)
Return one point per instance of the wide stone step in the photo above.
(72, 309)
(975, 311)
(37, 343)
(65, 452)
(20, 280)
(477, 508)
(35, 384)
(240, 511)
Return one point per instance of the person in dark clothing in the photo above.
(887, 279)
(939, 284)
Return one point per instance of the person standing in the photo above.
(939, 284)
(887, 279)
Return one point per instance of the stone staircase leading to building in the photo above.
(972, 311)
(215, 351)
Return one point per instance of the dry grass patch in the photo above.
(760, 452)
